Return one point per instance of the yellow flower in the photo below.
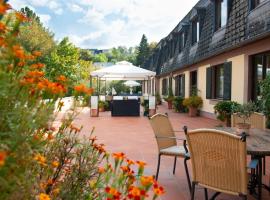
(43, 196)
(40, 159)
(56, 191)
(55, 164)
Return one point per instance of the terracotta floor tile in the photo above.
(134, 136)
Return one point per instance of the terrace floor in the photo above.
(134, 137)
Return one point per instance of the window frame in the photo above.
(216, 69)
(180, 85)
(165, 86)
(191, 85)
(195, 36)
(218, 16)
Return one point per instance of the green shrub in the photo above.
(193, 101)
(265, 98)
(178, 104)
(224, 110)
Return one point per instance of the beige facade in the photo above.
(240, 77)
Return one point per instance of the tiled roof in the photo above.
(243, 26)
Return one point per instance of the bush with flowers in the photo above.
(40, 161)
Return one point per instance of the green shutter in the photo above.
(227, 80)
(209, 83)
(183, 85)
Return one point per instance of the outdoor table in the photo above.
(258, 146)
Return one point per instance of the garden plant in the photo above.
(41, 159)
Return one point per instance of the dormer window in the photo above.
(255, 3)
(221, 13)
(195, 31)
(182, 41)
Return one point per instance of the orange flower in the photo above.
(4, 7)
(21, 64)
(50, 182)
(158, 190)
(3, 156)
(35, 73)
(3, 27)
(136, 193)
(62, 78)
(101, 170)
(147, 180)
(130, 162)
(40, 159)
(21, 17)
(36, 53)
(83, 89)
(74, 128)
(37, 66)
(113, 193)
(43, 196)
(141, 164)
(118, 156)
(18, 51)
(2, 42)
(55, 164)
(50, 136)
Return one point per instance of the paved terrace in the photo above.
(134, 136)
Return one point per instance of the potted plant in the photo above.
(178, 104)
(244, 112)
(264, 102)
(193, 103)
(224, 111)
(169, 98)
(145, 105)
(101, 106)
(158, 99)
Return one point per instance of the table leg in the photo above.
(260, 179)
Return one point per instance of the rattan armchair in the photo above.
(218, 162)
(167, 142)
(256, 120)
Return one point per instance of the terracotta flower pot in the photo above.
(169, 104)
(242, 127)
(192, 111)
(102, 109)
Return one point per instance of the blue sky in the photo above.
(108, 23)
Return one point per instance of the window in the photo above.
(218, 81)
(180, 85)
(221, 13)
(165, 86)
(261, 69)
(193, 83)
(195, 31)
(183, 38)
(255, 3)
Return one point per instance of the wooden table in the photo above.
(258, 146)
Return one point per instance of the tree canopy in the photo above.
(143, 51)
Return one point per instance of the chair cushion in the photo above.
(174, 151)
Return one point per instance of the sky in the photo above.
(104, 24)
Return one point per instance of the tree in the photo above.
(100, 58)
(34, 36)
(64, 60)
(86, 55)
(152, 47)
(143, 51)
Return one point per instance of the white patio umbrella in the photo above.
(131, 84)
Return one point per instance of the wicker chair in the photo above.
(167, 142)
(218, 162)
(256, 120)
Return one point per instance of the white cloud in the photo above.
(155, 19)
(75, 8)
(45, 19)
